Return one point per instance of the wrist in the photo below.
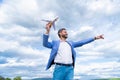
(47, 32)
(95, 38)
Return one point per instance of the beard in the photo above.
(65, 36)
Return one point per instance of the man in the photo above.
(63, 54)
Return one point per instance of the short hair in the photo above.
(60, 30)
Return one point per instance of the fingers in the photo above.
(99, 37)
(102, 36)
(48, 24)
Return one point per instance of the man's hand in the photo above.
(48, 26)
(99, 37)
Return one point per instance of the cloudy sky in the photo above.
(21, 30)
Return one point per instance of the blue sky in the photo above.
(21, 30)
(1, 1)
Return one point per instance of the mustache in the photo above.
(65, 36)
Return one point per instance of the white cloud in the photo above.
(86, 28)
(14, 29)
(49, 15)
(30, 8)
(91, 53)
(114, 45)
(2, 17)
(5, 45)
(102, 70)
(13, 62)
(101, 6)
(80, 33)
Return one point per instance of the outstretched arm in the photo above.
(86, 41)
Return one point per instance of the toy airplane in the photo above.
(52, 22)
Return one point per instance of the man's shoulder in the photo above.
(55, 41)
(69, 41)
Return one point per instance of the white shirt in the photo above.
(64, 54)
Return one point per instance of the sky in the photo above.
(21, 32)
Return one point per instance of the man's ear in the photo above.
(60, 34)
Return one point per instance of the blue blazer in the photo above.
(54, 45)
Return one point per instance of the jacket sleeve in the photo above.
(46, 43)
(82, 42)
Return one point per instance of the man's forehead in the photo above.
(60, 30)
(64, 31)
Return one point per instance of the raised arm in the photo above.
(48, 26)
(46, 43)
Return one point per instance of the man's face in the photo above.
(64, 34)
